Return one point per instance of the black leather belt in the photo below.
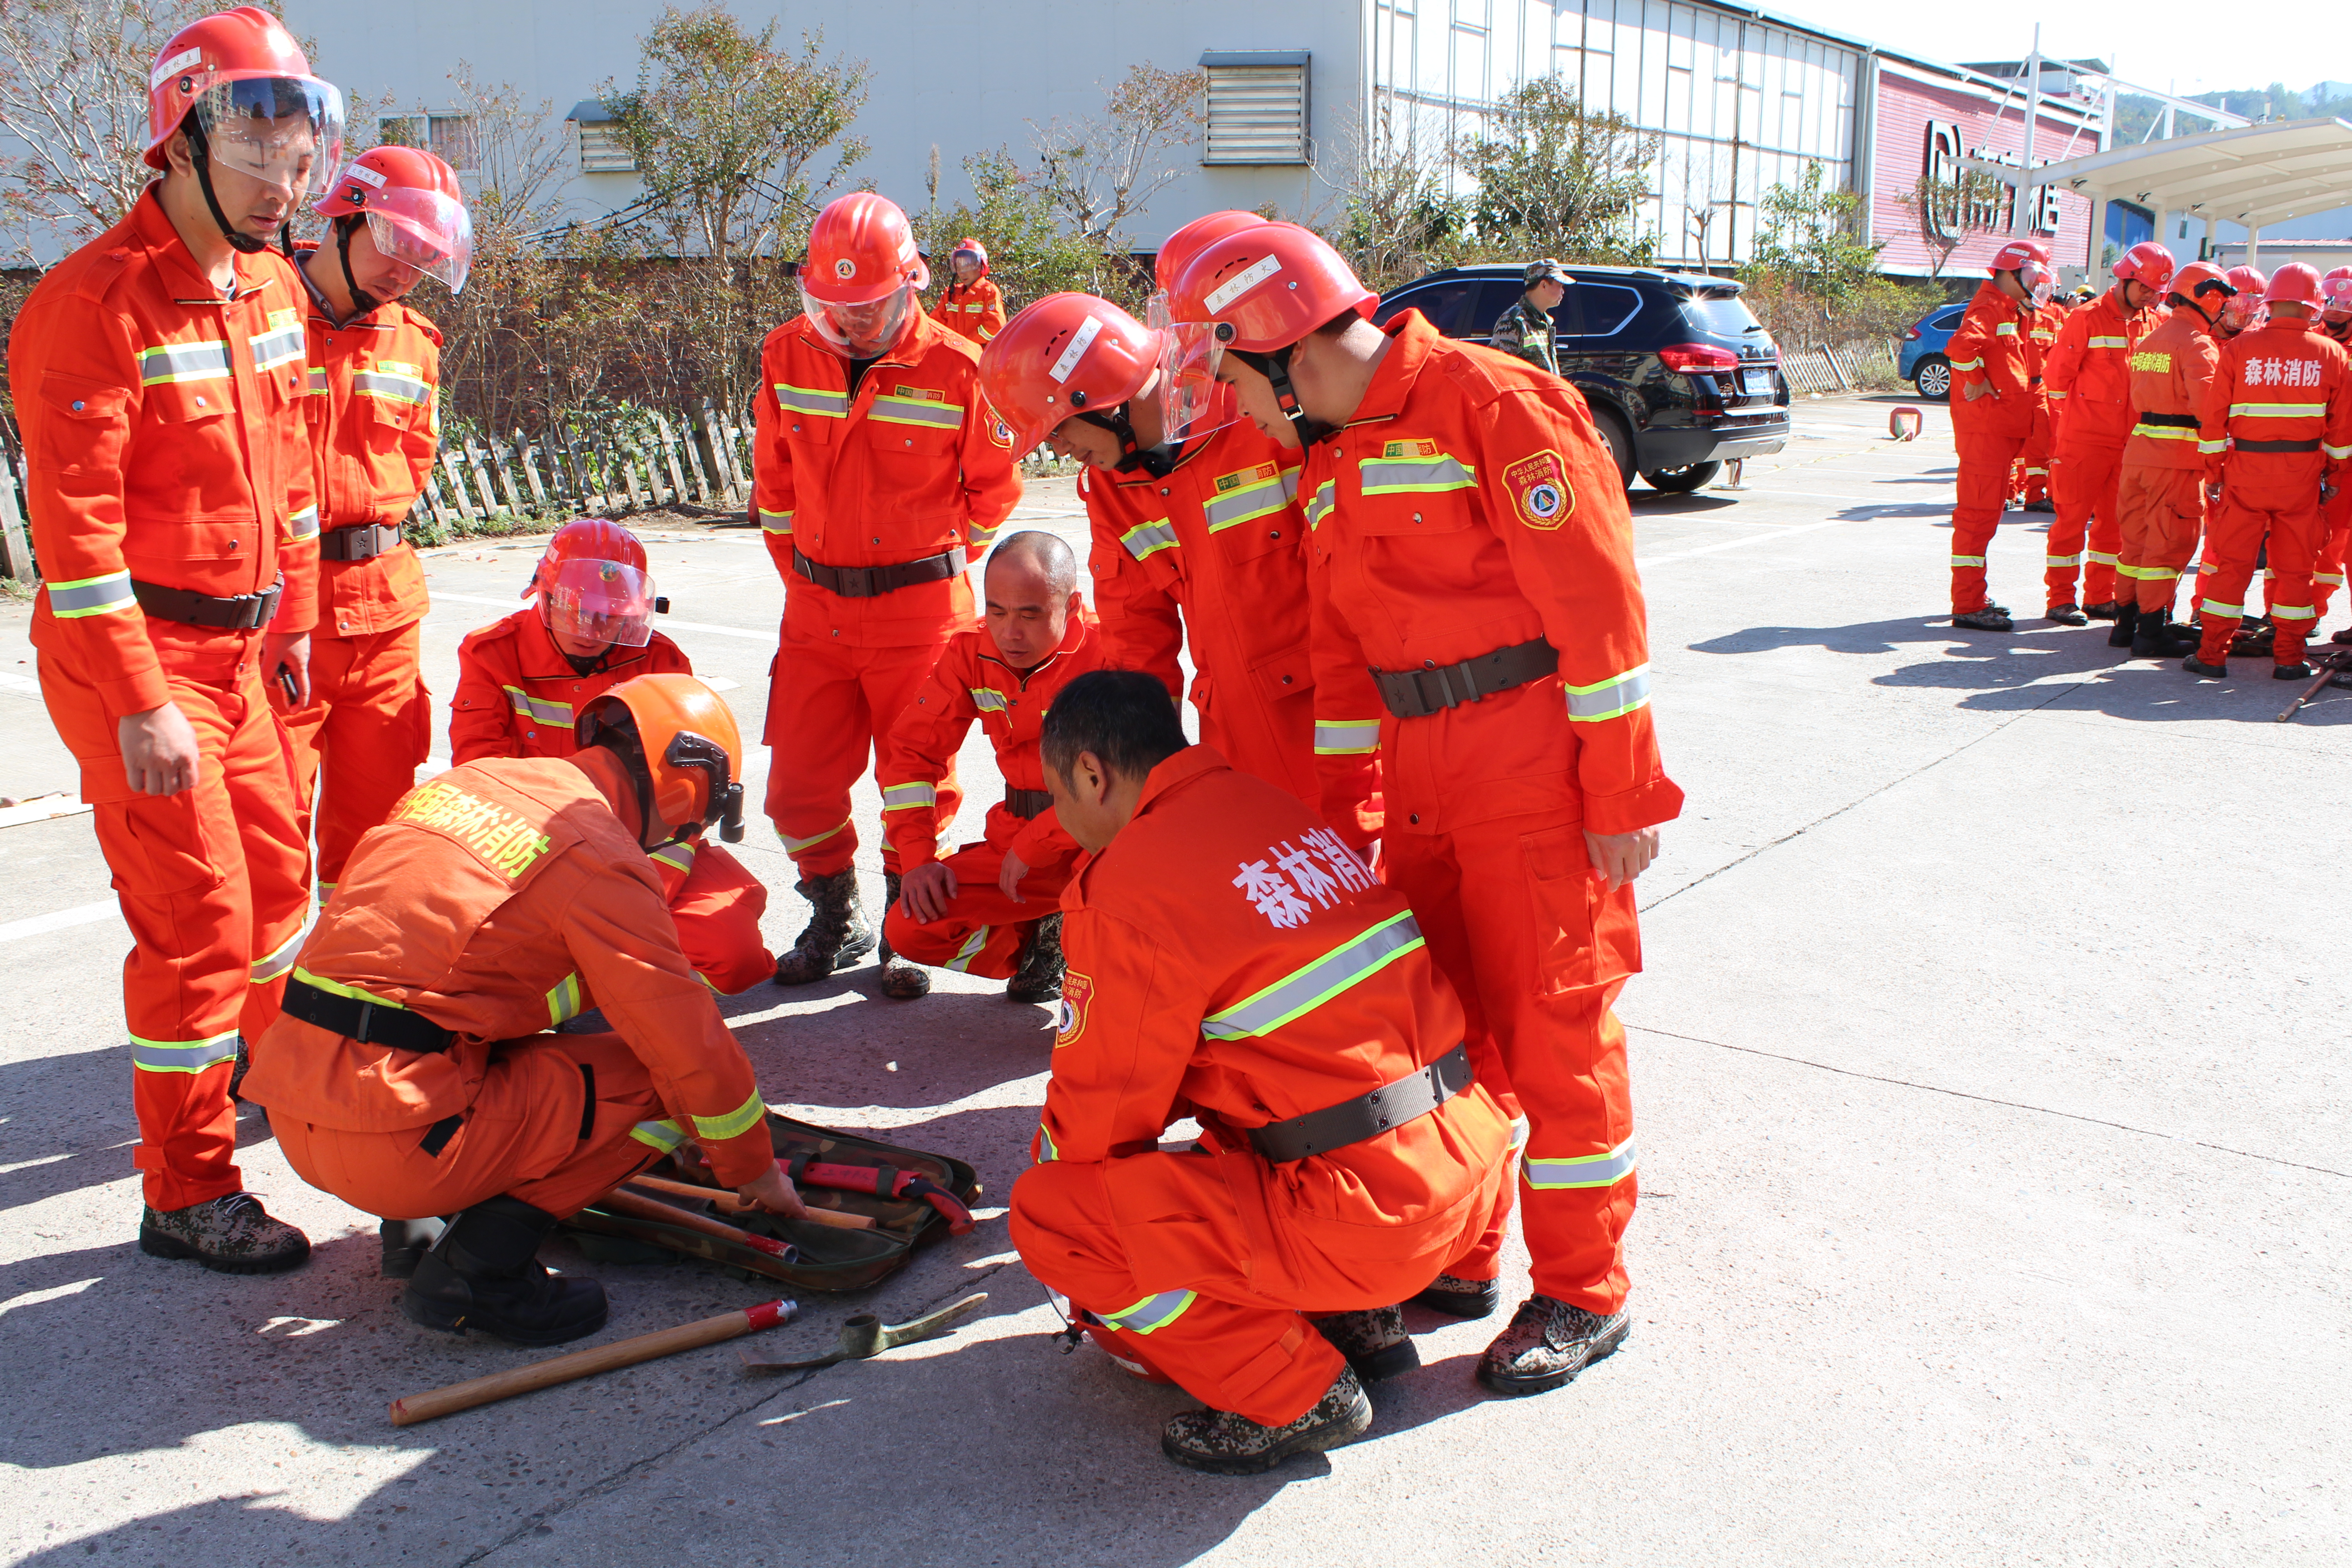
(1028, 802)
(873, 582)
(2170, 421)
(2310, 446)
(363, 542)
(242, 613)
(369, 1022)
(1367, 1115)
(1433, 687)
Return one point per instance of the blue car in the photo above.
(1923, 363)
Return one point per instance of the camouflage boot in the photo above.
(1232, 1445)
(901, 980)
(233, 1235)
(836, 934)
(1039, 978)
(1547, 1343)
(1374, 1341)
(1459, 1298)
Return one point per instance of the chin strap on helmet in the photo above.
(1157, 461)
(201, 157)
(362, 302)
(1276, 368)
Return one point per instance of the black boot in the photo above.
(901, 980)
(484, 1273)
(836, 934)
(1039, 978)
(2157, 638)
(2127, 624)
(405, 1243)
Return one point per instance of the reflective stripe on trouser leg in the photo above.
(2233, 537)
(1978, 495)
(827, 705)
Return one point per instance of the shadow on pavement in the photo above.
(1676, 504)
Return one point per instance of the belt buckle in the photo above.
(867, 588)
(367, 1011)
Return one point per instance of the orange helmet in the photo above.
(2293, 284)
(1065, 355)
(861, 275)
(257, 108)
(969, 245)
(2200, 277)
(681, 748)
(416, 211)
(593, 584)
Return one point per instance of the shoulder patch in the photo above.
(1000, 433)
(1078, 990)
(1422, 448)
(1539, 489)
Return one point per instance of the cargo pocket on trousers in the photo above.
(166, 847)
(1582, 935)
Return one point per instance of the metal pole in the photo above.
(2027, 209)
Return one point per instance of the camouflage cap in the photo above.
(1536, 271)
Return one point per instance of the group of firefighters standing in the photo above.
(2184, 403)
(1366, 934)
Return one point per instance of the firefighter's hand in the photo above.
(925, 892)
(290, 651)
(1976, 389)
(1008, 881)
(159, 750)
(2213, 492)
(773, 1192)
(1619, 858)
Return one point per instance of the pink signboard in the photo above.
(1921, 131)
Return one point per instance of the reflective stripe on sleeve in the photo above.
(1608, 698)
(107, 595)
(1347, 737)
(892, 410)
(664, 1135)
(980, 536)
(812, 400)
(2209, 448)
(1146, 540)
(303, 524)
(734, 1123)
(182, 1056)
(2279, 410)
(1152, 1312)
(1968, 365)
(961, 962)
(1584, 1170)
(2333, 579)
(179, 363)
(907, 797)
(1415, 476)
(1309, 987)
(2339, 453)
(678, 857)
(775, 522)
(1326, 496)
(2108, 344)
(563, 1001)
(539, 710)
(794, 846)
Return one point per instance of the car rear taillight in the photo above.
(1697, 359)
(1910, 334)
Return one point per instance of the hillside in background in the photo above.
(2328, 100)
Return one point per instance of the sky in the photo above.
(2163, 44)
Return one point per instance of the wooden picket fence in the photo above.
(1841, 368)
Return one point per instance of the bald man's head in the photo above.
(1033, 550)
(1032, 586)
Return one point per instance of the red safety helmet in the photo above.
(1065, 355)
(593, 584)
(1177, 252)
(969, 245)
(861, 275)
(2017, 253)
(1272, 284)
(415, 210)
(243, 77)
(682, 750)
(2147, 262)
(2293, 284)
(2336, 288)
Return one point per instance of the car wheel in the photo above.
(1932, 377)
(1611, 425)
(1682, 481)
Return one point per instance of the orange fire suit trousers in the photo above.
(2327, 573)
(359, 743)
(551, 1126)
(2233, 540)
(2034, 459)
(984, 932)
(1980, 493)
(1221, 1288)
(214, 885)
(1537, 952)
(2087, 534)
(717, 908)
(829, 710)
(2161, 512)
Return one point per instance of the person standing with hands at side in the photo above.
(2089, 374)
(1524, 330)
(1995, 404)
(970, 306)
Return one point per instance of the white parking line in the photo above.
(665, 623)
(17, 684)
(80, 915)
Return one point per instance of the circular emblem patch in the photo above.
(844, 268)
(1544, 501)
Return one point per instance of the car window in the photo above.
(1601, 309)
(1441, 302)
(1721, 315)
(1495, 297)
(1949, 320)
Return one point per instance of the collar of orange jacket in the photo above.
(1411, 339)
(1175, 771)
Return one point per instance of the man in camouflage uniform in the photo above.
(1525, 329)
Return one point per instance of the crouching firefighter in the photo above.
(411, 1074)
(1231, 960)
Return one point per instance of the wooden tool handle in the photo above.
(729, 1203)
(547, 1373)
(620, 1200)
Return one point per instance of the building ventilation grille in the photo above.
(1256, 109)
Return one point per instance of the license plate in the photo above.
(1756, 382)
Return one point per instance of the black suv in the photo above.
(1680, 375)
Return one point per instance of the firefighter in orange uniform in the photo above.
(880, 474)
(989, 908)
(375, 376)
(1232, 961)
(158, 378)
(2336, 320)
(2033, 481)
(523, 682)
(970, 306)
(2277, 427)
(1198, 534)
(1995, 402)
(411, 1074)
(1471, 563)
(2161, 496)
(2089, 375)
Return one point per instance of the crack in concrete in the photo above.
(1989, 1099)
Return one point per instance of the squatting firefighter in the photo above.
(1197, 537)
(880, 474)
(1524, 330)
(158, 377)
(2160, 494)
(373, 411)
(990, 909)
(2336, 320)
(1996, 401)
(1471, 563)
(970, 306)
(2276, 427)
(1232, 961)
(2089, 374)
(2031, 481)
(524, 681)
(411, 1074)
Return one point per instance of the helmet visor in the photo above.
(424, 229)
(284, 131)
(2037, 281)
(2336, 296)
(862, 331)
(1192, 401)
(1156, 312)
(2241, 310)
(600, 601)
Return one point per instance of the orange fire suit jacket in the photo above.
(1230, 958)
(1470, 506)
(1993, 348)
(976, 313)
(502, 898)
(163, 442)
(2089, 371)
(972, 682)
(914, 464)
(2281, 383)
(2170, 370)
(518, 696)
(375, 430)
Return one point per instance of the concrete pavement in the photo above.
(1995, 1161)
